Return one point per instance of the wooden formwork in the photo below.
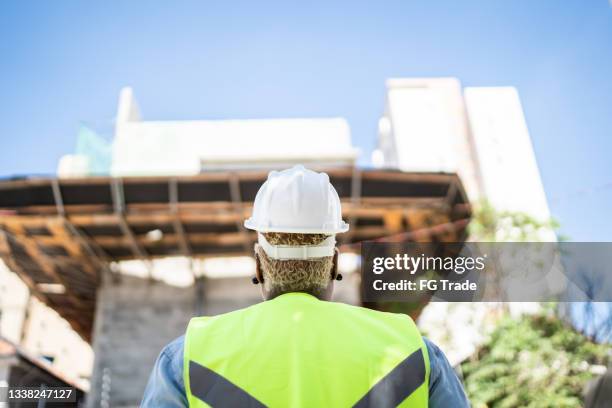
(59, 235)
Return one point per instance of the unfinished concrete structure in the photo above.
(121, 257)
(73, 234)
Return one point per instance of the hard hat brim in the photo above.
(290, 230)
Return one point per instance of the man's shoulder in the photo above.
(433, 347)
(445, 388)
(166, 386)
(174, 349)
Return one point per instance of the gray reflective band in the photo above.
(396, 386)
(217, 391)
(390, 391)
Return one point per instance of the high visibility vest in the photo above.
(298, 351)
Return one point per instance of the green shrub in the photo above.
(532, 361)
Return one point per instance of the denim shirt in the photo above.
(166, 388)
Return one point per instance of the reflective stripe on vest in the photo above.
(396, 386)
(216, 391)
(298, 351)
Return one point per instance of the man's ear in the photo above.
(258, 273)
(334, 270)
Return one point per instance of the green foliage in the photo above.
(532, 361)
(491, 225)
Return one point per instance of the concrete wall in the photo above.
(508, 168)
(39, 330)
(48, 334)
(4, 373)
(135, 318)
(431, 125)
(145, 148)
(14, 298)
(425, 129)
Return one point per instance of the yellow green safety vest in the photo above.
(298, 351)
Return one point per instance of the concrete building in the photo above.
(138, 252)
(127, 260)
(432, 124)
(157, 238)
(148, 148)
(507, 168)
(480, 133)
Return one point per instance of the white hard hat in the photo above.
(297, 200)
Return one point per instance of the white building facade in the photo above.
(480, 133)
(149, 148)
(432, 124)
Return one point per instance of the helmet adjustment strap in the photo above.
(297, 252)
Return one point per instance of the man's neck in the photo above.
(316, 294)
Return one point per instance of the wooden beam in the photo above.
(234, 184)
(227, 214)
(417, 220)
(46, 263)
(211, 207)
(177, 225)
(119, 207)
(450, 195)
(355, 203)
(12, 264)
(61, 237)
(89, 246)
(221, 176)
(176, 221)
(155, 218)
(74, 241)
(393, 221)
(417, 235)
(208, 238)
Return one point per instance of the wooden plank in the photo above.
(243, 175)
(119, 207)
(394, 221)
(207, 238)
(176, 221)
(355, 201)
(83, 330)
(209, 206)
(46, 263)
(70, 209)
(433, 178)
(196, 255)
(137, 250)
(417, 235)
(62, 237)
(417, 220)
(158, 218)
(226, 214)
(368, 232)
(234, 185)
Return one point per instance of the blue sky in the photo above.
(62, 63)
